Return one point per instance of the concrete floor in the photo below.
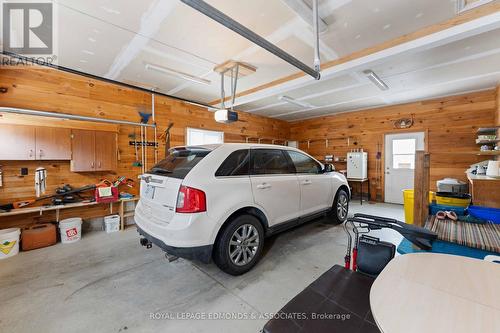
(109, 283)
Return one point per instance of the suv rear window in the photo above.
(236, 164)
(179, 162)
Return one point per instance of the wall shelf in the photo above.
(485, 142)
(489, 153)
(484, 130)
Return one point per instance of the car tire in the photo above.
(233, 251)
(340, 209)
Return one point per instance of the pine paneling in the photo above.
(56, 91)
(449, 123)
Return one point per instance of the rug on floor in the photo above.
(480, 236)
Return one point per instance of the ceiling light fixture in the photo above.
(178, 74)
(376, 80)
(295, 102)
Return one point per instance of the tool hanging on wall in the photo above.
(136, 163)
(40, 181)
(165, 136)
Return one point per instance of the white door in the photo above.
(275, 186)
(400, 163)
(315, 188)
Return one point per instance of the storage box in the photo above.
(106, 194)
(485, 213)
(38, 236)
(434, 208)
(453, 199)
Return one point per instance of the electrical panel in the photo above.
(357, 165)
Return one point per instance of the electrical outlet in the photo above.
(24, 171)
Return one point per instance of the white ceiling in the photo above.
(116, 38)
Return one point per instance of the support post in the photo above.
(421, 186)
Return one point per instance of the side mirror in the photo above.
(328, 168)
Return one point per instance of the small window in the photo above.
(303, 163)
(179, 162)
(196, 137)
(269, 162)
(236, 164)
(403, 154)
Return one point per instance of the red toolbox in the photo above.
(105, 194)
(38, 236)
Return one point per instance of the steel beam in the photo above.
(220, 17)
(71, 116)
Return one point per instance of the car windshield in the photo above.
(179, 162)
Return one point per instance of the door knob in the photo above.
(263, 186)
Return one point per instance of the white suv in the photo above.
(221, 201)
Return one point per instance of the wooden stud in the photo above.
(421, 188)
(244, 69)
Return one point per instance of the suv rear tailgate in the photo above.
(158, 198)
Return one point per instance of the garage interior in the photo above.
(400, 97)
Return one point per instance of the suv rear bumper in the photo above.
(201, 253)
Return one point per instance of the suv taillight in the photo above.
(191, 200)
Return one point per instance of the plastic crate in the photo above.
(434, 208)
(485, 213)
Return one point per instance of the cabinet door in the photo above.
(83, 151)
(53, 143)
(105, 151)
(17, 142)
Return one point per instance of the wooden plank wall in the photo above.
(56, 91)
(449, 123)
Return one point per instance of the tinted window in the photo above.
(236, 164)
(303, 163)
(269, 161)
(179, 162)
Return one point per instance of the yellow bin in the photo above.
(452, 201)
(409, 199)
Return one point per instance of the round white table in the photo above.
(427, 292)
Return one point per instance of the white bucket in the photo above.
(9, 242)
(71, 230)
(112, 223)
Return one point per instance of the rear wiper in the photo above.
(160, 170)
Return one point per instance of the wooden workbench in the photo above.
(122, 212)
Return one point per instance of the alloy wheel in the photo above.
(243, 244)
(342, 207)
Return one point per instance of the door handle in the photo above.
(307, 182)
(263, 186)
